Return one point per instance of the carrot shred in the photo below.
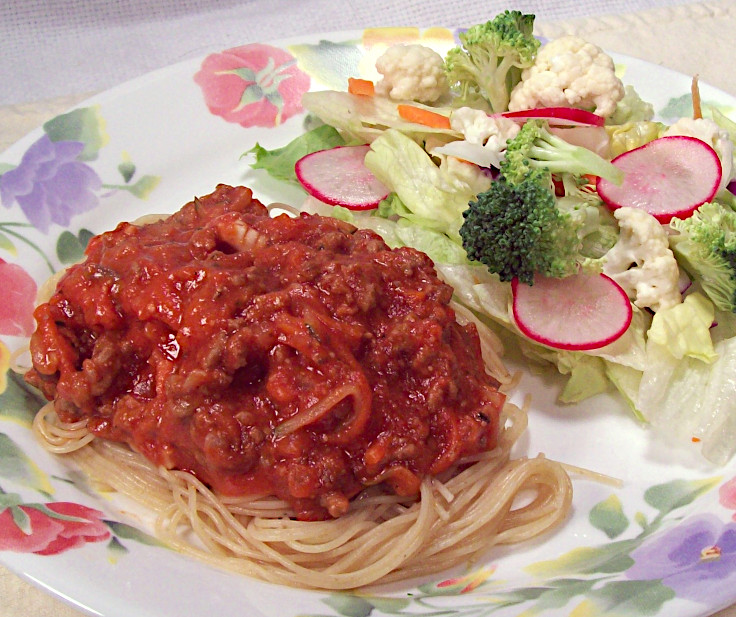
(361, 87)
(696, 439)
(695, 93)
(411, 113)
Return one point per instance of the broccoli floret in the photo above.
(488, 64)
(518, 230)
(534, 147)
(705, 246)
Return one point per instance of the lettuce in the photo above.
(684, 329)
(687, 388)
(432, 196)
(364, 118)
(280, 162)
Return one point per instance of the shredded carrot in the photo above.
(695, 93)
(418, 115)
(695, 439)
(362, 87)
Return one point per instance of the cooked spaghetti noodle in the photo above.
(383, 538)
(297, 370)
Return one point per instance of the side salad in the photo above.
(600, 239)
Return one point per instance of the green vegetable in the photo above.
(518, 227)
(630, 135)
(631, 108)
(488, 64)
(518, 230)
(431, 196)
(280, 162)
(687, 387)
(684, 329)
(534, 147)
(706, 248)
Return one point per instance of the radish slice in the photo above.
(338, 176)
(560, 116)
(584, 311)
(669, 177)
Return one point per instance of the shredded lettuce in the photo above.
(684, 329)
(364, 118)
(434, 196)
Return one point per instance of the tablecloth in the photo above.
(693, 38)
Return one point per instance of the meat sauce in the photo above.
(295, 357)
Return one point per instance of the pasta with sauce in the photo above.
(307, 403)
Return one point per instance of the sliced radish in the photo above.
(584, 311)
(559, 116)
(669, 177)
(338, 176)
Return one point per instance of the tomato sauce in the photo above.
(296, 357)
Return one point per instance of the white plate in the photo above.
(637, 550)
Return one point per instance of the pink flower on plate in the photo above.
(16, 308)
(49, 529)
(252, 85)
(727, 495)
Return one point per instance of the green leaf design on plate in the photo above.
(6, 244)
(17, 467)
(6, 167)
(392, 606)
(678, 493)
(115, 550)
(349, 605)
(559, 593)
(127, 170)
(682, 107)
(609, 517)
(328, 62)
(85, 125)
(609, 558)
(128, 532)
(21, 519)
(632, 597)
(69, 248)
(141, 189)
(145, 185)
(19, 402)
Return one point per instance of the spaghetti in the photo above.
(309, 404)
(458, 518)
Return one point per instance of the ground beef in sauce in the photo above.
(296, 357)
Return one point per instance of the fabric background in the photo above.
(55, 53)
(56, 47)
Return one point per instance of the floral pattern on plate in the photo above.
(663, 549)
(253, 85)
(671, 556)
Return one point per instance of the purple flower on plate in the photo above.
(697, 559)
(50, 184)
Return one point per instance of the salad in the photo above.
(595, 238)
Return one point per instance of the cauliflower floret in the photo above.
(569, 71)
(708, 131)
(413, 73)
(642, 262)
(485, 137)
(479, 128)
(462, 176)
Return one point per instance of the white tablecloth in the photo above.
(57, 52)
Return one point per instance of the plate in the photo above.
(661, 543)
